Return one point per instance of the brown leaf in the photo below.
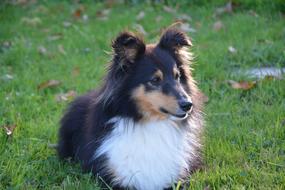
(103, 14)
(158, 18)
(55, 36)
(75, 71)
(218, 25)
(42, 50)
(65, 96)
(253, 13)
(169, 9)
(78, 12)
(140, 16)
(140, 29)
(61, 49)
(9, 129)
(187, 28)
(228, 8)
(31, 21)
(66, 24)
(48, 84)
(244, 85)
(184, 18)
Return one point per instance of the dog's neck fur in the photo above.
(150, 155)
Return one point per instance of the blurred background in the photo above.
(52, 51)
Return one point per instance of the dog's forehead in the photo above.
(160, 58)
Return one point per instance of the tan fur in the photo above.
(130, 53)
(150, 102)
(159, 74)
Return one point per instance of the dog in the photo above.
(142, 128)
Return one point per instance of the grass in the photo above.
(245, 130)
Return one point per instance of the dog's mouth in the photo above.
(180, 115)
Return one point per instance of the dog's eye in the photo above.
(155, 80)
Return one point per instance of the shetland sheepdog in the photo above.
(142, 128)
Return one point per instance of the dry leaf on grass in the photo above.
(61, 49)
(158, 18)
(103, 14)
(31, 21)
(244, 85)
(140, 29)
(55, 36)
(65, 96)
(187, 28)
(9, 129)
(218, 25)
(78, 12)
(66, 24)
(169, 9)
(140, 16)
(228, 8)
(184, 18)
(7, 77)
(48, 84)
(42, 50)
(75, 71)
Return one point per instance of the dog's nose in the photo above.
(185, 105)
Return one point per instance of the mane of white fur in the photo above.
(148, 156)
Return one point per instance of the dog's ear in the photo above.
(128, 47)
(174, 39)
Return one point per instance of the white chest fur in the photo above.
(149, 156)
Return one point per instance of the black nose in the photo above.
(185, 105)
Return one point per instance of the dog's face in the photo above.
(155, 76)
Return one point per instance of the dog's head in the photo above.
(155, 78)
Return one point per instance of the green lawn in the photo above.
(245, 129)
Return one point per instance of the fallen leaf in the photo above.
(61, 49)
(232, 49)
(253, 13)
(140, 16)
(41, 9)
(263, 72)
(140, 29)
(198, 25)
(42, 50)
(78, 12)
(65, 96)
(218, 25)
(31, 21)
(184, 18)
(6, 45)
(55, 36)
(228, 8)
(9, 129)
(75, 71)
(24, 2)
(187, 28)
(103, 14)
(244, 85)
(45, 30)
(8, 77)
(169, 9)
(48, 84)
(66, 24)
(158, 18)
